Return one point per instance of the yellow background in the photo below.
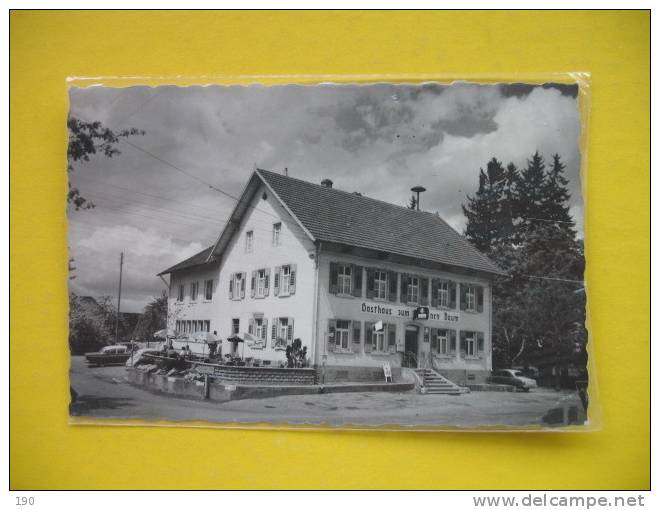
(46, 47)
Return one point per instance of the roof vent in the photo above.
(326, 183)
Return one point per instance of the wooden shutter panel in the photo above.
(355, 345)
(480, 342)
(242, 292)
(391, 337)
(251, 327)
(273, 332)
(404, 288)
(462, 342)
(452, 295)
(293, 270)
(392, 278)
(370, 283)
(480, 298)
(462, 291)
(264, 330)
(357, 280)
(435, 283)
(289, 331)
(276, 280)
(424, 291)
(368, 336)
(231, 286)
(266, 280)
(332, 325)
(452, 340)
(333, 278)
(252, 284)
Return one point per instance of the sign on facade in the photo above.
(405, 312)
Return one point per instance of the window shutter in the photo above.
(462, 346)
(424, 291)
(266, 281)
(404, 288)
(368, 336)
(242, 292)
(276, 281)
(293, 269)
(391, 337)
(434, 340)
(370, 283)
(333, 278)
(331, 334)
(231, 286)
(251, 327)
(452, 295)
(480, 342)
(264, 330)
(252, 284)
(480, 298)
(273, 332)
(462, 291)
(434, 292)
(452, 340)
(392, 284)
(355, 346)
(357, 280)
(289, 332)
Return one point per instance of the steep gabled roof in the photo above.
(197, 259)
(337, 216)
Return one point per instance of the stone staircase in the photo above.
(436, 384)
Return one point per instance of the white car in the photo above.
(512, 378)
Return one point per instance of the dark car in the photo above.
(513, 378)
(109, 355)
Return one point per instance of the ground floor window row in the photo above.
(406, 288)
(280, 333)
(192, 326)
(346, 336)
(283, 282)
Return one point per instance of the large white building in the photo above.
(345, 274)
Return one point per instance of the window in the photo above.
(259, 331)
(179, 296)
(237, 286)
(344, 280)
(277, 229)
(235, 326)
(443, 294)
(194, 289)
(285, 279)
(249, 238)
(261, 283)
(471, 298)
(208, 290)
(283, 328)
(380, 285)
(177, 327)
(342, 334)
(470, 347)
(378, 339)
(207, 326)
(413, 290)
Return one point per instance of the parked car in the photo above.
(512, 378)
(109, 355)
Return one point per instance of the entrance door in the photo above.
(410, 354)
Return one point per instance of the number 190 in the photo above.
(24, 500)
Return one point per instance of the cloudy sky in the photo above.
(154, 202)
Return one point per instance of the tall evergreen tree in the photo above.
(413, 203)
(486, 216)
(557, 196)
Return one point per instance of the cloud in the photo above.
(380, 140)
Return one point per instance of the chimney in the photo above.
(326, 183)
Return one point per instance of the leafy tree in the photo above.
(296, 354)
(153, 318)
(90, 324)
(85, 140)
